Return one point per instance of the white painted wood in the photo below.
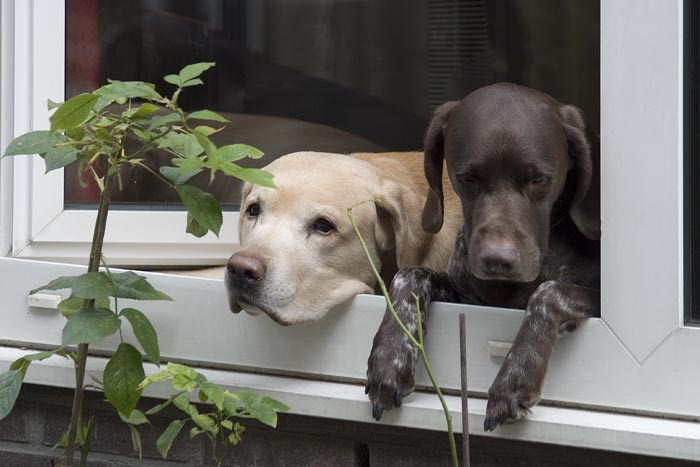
(21, 110)
(42, 229)
(566, 426)
(44, 300)
(589, 368)
(7, 17)
(641, 153)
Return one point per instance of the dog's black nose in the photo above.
(246, 267)
(499, 257)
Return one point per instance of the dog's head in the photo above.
(299, 253)
(513, 155)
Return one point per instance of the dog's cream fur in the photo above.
(307, 273)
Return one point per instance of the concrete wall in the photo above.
(42, 414)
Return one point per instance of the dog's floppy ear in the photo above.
(396, 206)
(434, 157)
(585, 152)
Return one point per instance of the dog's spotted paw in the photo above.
(509, 401)
(390, 376)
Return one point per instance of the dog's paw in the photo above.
(509, 401)
(390, 376)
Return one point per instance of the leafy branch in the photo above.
(417, 343)
(217, 425)
(92, 130)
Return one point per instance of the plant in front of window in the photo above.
(417, 343)
(89, 129)
(217, 425)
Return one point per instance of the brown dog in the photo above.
(526, 170)
(299, 254)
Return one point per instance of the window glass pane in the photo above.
(692, 163)
(328, 75)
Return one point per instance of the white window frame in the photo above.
(634, 359)
(42, 228)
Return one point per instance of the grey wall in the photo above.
(42, 414)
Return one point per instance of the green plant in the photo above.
(217, 425)
(90, 130)
(417, 343)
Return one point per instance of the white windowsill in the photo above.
(575, 427)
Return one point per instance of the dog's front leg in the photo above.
(392, 361)
(554, 309)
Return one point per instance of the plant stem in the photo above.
(429, 370)
(93, 265)
(416, 343)
(382, 285)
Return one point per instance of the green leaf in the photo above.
(75, 111)
(131, 285)
(202, 206)
(136, 440)
(228, 424)
(214, 392)
(88, 326)
(190, 164)
(62, 441)
(144, 110)
(194, 70)
(236, 152)
(71, 305)
(93, 285)
(192, 82)
(144, 332)
(50, 105)
(156, 378)
(63, 282)
(249, 399)
(122, 376)
(120, 90)
(165, 441)
(76, 134)
(142, 135)
(207, 115)
(34, 142)
(206, 130)
(195, 431)
(183, 383)
(185, 145)
(275, 404)
(194, 227)
(255, 176)
(161, 120)
(135, 418)
(59, 157)
(23, 363)
(10, 383)
(177, 176)
(173, 79)
(265, 414)
(184, 404)
(159, 407)
(209, 149)
(262, 409)
(206, 423)
(184, 370)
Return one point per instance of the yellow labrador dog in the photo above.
(299, 254)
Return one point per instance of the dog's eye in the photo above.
(253, 210)
(323, 226)
(538, 180)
